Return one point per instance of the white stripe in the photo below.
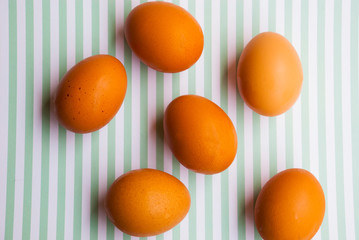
(201, 228)
(69, 185)
(216, 77)
(280, 19)
(248, 137)
(200, 63)
(167, 154)
(264, 121)
(86, 187)
(103, 25)
(217, 213)
(184, 227)
(248, 175)
(346, 118)
(86, 163)
(329, 90)
(313, 92)
(135, 131)
(297, 125)
(263, 16)
(232, 93)
(167, 98)
(4, 99)
(36, 170)
(103, 133)
(120, 115)
(87, 28)
(151, 125)
(53, 164)
(70, 137)
(103, 156)
(20, 123)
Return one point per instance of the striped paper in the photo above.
(52, 181)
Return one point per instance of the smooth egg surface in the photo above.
(291, 205)
(91, 93)
(269, 74)
(147, 202)
(164, 36)
(200, 134)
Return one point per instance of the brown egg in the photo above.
(269, 74)
(164, 36)
(91, 93)
(147, 202)
(291, 205)
(200, 134)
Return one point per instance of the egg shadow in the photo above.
(98, 209)
(246, 208)
(157, 134)
(230, 79)
(48, 110)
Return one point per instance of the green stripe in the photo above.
(207, 51)
(322, 150)
(338, 119)
(45, 151)
(94, 135)
(272, 15)
(111, 166)
(78, 137)
(159, 118)
(224, 105)
(78, 187)
(11, 154)
(111, 129)
(176, 234)
(192, 215)
(144, 114)
(272, 123)
(29, 120)
(127, 102)
(256, 124)
(289, 113)
(305, 91)
(61, 168)
(240, 127)
(354, 75)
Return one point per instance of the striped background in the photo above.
(52, 181)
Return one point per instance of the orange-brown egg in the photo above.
(147, 202)
(91, 93)
(200, 134)
(291, 205)
(269, 74)
(164, 36)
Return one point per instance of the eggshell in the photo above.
(200, 134)
(291, 205)
(269, 74)
(164, 36)
(91, 93)
(147, 202)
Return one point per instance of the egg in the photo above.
(146, 202)
(200, 134)
(269, 74)
(291, 205)
(91, 93)
(164, 36)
